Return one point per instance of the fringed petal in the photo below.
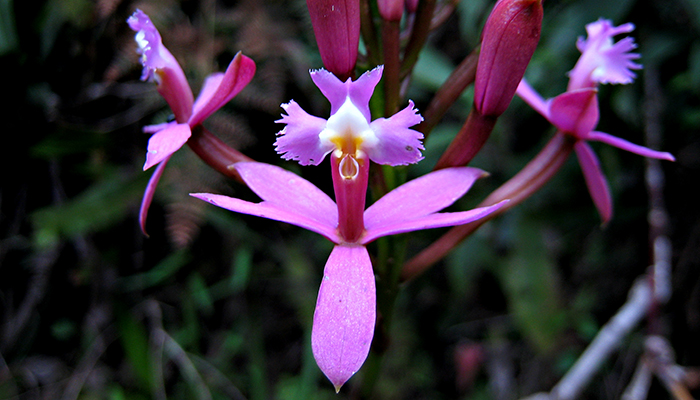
(396, 144)
(299, 140)
(602, 60)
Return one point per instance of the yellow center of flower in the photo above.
(349, 132)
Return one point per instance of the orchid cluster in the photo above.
(357, 142)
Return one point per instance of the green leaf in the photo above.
(530, 283)
(134, 339)
(159, 273)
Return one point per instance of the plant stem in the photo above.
(520, 187)
(390, 45)
(215, 152)
(449, 92)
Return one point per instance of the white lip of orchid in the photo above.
(143, 46)
(348, 131)
(141, 41)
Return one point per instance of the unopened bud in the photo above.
(390, 10)
(509, 39)
(337, 29)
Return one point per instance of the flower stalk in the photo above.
(458, 81)
(517, 189)
(215, 153)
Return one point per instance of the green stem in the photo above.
(369, 33)
(390, 45)
(421, 29)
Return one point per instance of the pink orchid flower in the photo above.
(160, 66)
(345, 314)
(575, 112)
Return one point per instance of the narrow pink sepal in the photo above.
(239, 73)
(359, 91)
(595, 180)
(157, 127)
(272, 211)
(628, 146)
(289, 191)
(422, 196)
(336, 25)
(149, 192)
(299, 140)
(412, 205)
(532, 98)
(435, 220)
(345, 314)
(397, 145)
(165, 142)
(575, 112)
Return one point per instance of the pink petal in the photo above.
(631, 147)
(359, 91)
(148, 194)
(287, 198)
(420, 197)
(272, 211)
(436, 220)
(299, 140)
(391, 10)
(165, 142)
(602, 60)
(286, 189)
(238, 74)
(595, 180)
(397, 145)
(209, 88)
(532, 98)
(160, 66)
(345, 314)
(575, 112)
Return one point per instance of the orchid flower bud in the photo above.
(337, 29)
(390, 10)
(509, 39)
